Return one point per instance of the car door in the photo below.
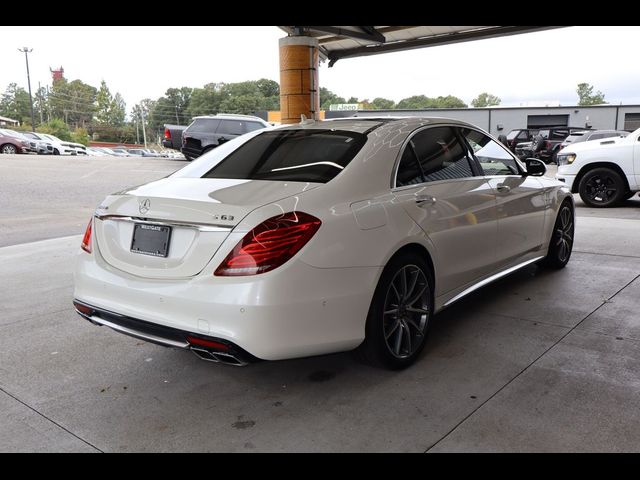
(441, 189)
(520, 200)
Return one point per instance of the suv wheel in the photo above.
(602, 187)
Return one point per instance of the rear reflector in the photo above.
(86, 240)
(201, 342)
(270, 244)
(83, 308)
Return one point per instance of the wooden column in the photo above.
(299, 90)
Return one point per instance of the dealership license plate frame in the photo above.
(152, 240)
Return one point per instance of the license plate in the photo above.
(151, 239)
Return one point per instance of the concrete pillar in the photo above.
(299, 90)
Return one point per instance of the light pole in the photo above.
(26, 58)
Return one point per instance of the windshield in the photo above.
(295, 155)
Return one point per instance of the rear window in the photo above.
(294, 155)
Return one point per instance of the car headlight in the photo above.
(566, 158)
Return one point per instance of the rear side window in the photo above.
(512, 134)
(231, 127)
(204, 125)
(433, 154)
(294, 155)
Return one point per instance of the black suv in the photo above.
(519, 135)
(545, 144)
(206, 133)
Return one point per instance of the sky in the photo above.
(142, 62)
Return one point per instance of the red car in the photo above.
(11, 143)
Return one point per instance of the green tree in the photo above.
(74, 101)
(587, 97)
(104, 99)
(14, 103)
(415, 102)
(383, 103)
(41, 105)
(327, 97)
(485, 100)
(56, 127)
(171, 108)
(118, 111)
(80, 135)
(418, 102)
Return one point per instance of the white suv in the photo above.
(604, 172)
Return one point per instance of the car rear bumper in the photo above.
(294, 311)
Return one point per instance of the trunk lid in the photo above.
(201, 213)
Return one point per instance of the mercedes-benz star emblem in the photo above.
(144, 206)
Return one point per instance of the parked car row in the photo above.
(545, 143)
(131, 152)
(12, 141)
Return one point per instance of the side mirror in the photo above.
(535, 167)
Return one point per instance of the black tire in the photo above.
(561, 243)
(602, 187)
(8, 149)
(395, 339)
(56, 151)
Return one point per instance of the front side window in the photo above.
(291, 155)
(493, 158)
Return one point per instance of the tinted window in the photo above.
(523, 135)
(559, 134)
(231, 127)
(204, 125)
(409, 172)
(251, 126)
(512, 134)
(294, 155)
(493, 158)
(441, 155)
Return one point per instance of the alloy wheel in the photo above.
(601, 188)
(564, 234)
(406, 311)
(9, 149)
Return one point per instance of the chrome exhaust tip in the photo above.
(218, 357)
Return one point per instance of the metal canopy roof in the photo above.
(356, 41)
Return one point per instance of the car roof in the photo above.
(370, 123)
(231, 116)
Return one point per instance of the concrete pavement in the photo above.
(539, 361)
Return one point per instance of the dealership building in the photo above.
(501, 120)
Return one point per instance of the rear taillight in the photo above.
(86, 240)
(547, 144)
(167, 134)
(270, 244)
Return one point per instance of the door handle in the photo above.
(503, 188)
(424, 200)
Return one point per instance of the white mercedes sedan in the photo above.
(319, 237)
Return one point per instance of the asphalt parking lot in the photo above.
(540, 361)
